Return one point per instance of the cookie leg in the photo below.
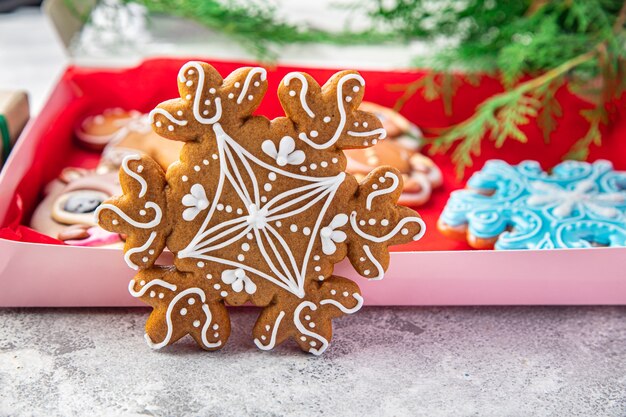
(309, 320)
(180, 309)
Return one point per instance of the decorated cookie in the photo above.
(257, 210)
(578, 205)
(67, 210)
(119, 133)
(400, 150)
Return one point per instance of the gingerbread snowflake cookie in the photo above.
(256, 210)
(577, 205)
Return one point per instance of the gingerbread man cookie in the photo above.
(257, 210)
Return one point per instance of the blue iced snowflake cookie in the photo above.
(578, 205)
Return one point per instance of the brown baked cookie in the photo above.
(401, 151)
(119, 133)
(257, 210)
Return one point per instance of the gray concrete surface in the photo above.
(490, 361)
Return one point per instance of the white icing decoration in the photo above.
(342, 114)
(135, 176)
(380, 239)
(382, 133)
(246, 83)
(272, 342)
(389, 190)
(379, 267)
(196, 201)
(142, 291)
(198, 94)
(170, 327)
(286, 152)
(238, 280)
(305, 331)
(330, 236)
(167, 115)
(303, 91)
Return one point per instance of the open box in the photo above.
(40, 271)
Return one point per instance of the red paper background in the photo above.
(83, 91)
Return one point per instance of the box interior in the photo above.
(83, 91)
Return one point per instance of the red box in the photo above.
(36, 270)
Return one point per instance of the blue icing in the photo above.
(576, 206)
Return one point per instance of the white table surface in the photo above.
(535, 361)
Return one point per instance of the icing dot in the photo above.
(375, 186)
(321, 277)
(142, 212)
(313, 166)
(324, 164)
(362, 222)
(316, 258)
(293, 228)
(229, 209)
(220, 207)
(216, 326)
(115, 222)
(348, 99)
(239, 211)
(189, 83)
(318, 269)
(214, 156)
(231, 95)
(362, 259)
(333, 292)
(190, 72)
(191, 301)
(374, 141)
(263, 199)
(188, 97)
(307, 317)
(314, 133)
(170, 128)
(144, 259)
(405, 231)
(142, 282)
(306, 231)
(326, 119)
(179, 112)
(365, 143)
(381, 179)
(250, 97)
(158, 124)
(196, 168)
(151, 251)
(196, 323)
(312, 343)
(205, 162)
(139, 168)
(207, 102)
(256, 83)
(364, 124)
(212, 90)
(249, 236)
(267, 327)
(267, 187)
(311, 325)
(366, 272)
(217, 286)
(224, 294)
(345, 293)
(200, 264)
(216, 335)
(278, 223)
(205, 112)
(237, 84)
(240, 257)
(185, 178)
(384, 222)
(372, 222)
(263, 337)
(334, 160)
(272, 176)
(292, 93)
(209, 276)
(245, 246)
(161, 295)
(355, 88)
(152, 294)
(303, 338)
(183, 311)
(303, 169)
(356, 124)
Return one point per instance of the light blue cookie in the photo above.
(578, 205)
